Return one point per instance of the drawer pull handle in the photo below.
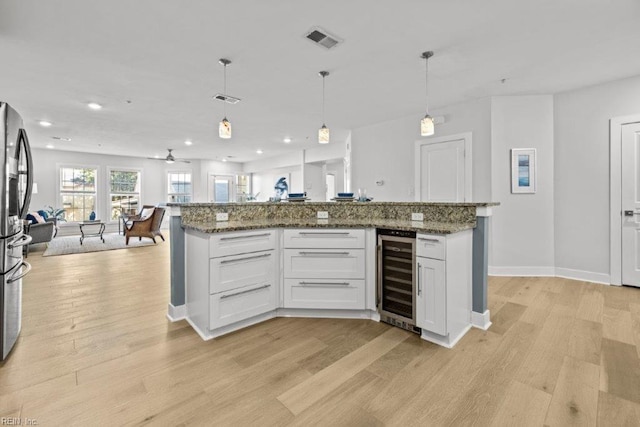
(226, 261)
(323, 253)
(244, 292)
(419, 283)
(248, 236)
(325, 283)
(428, 240)
(320, 233)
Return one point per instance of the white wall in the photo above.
(522, 234)
(385, 151)
(314, 182)
(582, 172)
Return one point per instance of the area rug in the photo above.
(71, 244)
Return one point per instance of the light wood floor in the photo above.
(96, 349)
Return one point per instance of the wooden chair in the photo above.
(126, 218)
(145, 227)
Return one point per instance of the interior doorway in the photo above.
(331, 186)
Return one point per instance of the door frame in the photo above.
(615, 195)
(468, 178)
(211, 188)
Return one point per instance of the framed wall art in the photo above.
(523, 170)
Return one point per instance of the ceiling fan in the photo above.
(169, 159)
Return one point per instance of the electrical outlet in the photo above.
(417, 216)
(222, 216)
(323, 215)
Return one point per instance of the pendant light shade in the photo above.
(323, 132)
(426, 124)
(224, 128)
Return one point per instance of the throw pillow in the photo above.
(146, 213)
(31, 218)
(43, 214)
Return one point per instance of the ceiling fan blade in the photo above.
(183, 161)
(155, 158)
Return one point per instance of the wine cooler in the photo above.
(396, 278)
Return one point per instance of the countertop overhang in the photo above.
(417, 226)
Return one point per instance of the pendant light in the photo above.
(426, 124)
(323, 132)
(224, 129)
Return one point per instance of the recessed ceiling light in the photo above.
(259, 151)
(94, 106)
(287, 140)
(50, 146)
(224, 159)
(59, 138)
(187, 142)
(45, 123)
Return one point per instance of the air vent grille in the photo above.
(226, 98)
(323, 38)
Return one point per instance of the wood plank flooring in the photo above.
(97, 349)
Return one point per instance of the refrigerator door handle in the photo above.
(21, 275)
(23, 142)
(25, 239)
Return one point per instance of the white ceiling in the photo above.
(57, 55)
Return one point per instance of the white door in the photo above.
(221, 188)
(631, 204)
(443, 169)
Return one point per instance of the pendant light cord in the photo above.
(426, 82)
(323, 122)
(224, 106)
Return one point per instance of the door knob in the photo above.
(628, 213)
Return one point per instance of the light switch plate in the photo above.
(323, 215)
(222, 216)
(417, 216)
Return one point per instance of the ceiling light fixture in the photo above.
(259, 151)
(50, 146)
(94, 106)
(323, 132)
(224, 129)
(45, 123)
(188, 142)
(224, 159)
(426, 124)
(287, 140)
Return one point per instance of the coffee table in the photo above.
(94, 229)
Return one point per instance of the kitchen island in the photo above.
(234, 265)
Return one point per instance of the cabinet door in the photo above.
(431, 308)
(324, 293)
(324, 263)
(233, 306)
(236, 271)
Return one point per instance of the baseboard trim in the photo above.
(481, 320)
(587, 276)
(521, 271)
(566, 273)
(176, 313)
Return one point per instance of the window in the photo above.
(179, 187)
(78, 192)
(124, 192)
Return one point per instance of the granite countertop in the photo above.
(473, 204)
(418, 226)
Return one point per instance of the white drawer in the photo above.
(324, 238)
(430, 246)
(346, 294)
(324, 263)
(236, 271)
(233, 243)
(240, 304)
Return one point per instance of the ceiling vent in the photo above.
(322, 37)
(226, 98)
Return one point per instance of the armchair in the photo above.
(40, 232)
(145, 226)
(126, 218)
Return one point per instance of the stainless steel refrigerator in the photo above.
(15, 195)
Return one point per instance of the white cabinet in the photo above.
(443, 266)
(324, 294)
(324, 269)
(431, 295)
(231, 278)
